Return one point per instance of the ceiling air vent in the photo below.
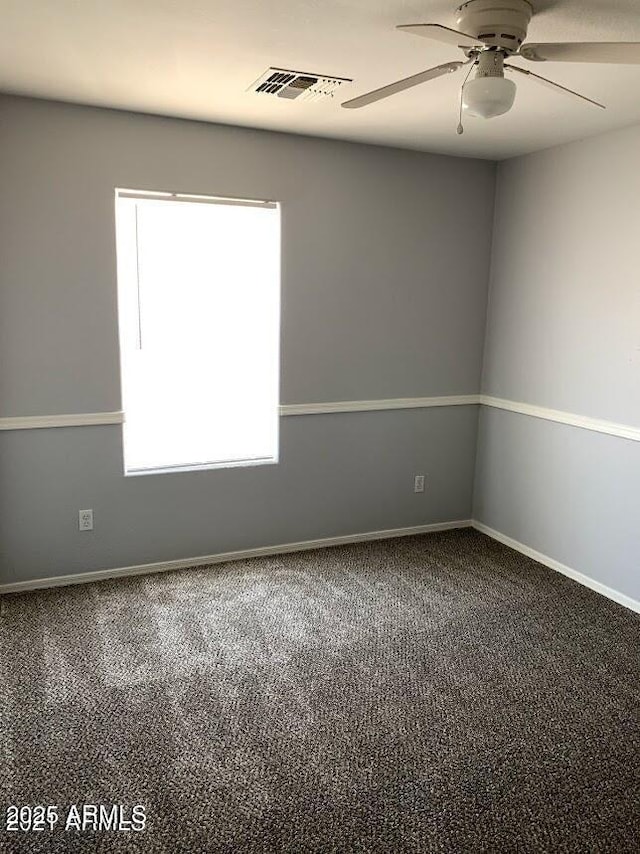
(292, 85)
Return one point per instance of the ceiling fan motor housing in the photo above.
(498, 23)
(490, 64)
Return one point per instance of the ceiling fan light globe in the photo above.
(488, 97)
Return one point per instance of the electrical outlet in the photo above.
(418, 483)
(85, 520)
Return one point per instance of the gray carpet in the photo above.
(438, 693)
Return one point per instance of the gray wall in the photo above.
(378, 301)
(563, 332)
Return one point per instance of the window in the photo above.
(198, 297)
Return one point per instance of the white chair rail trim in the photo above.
(379, 405)
(596, 425)
(76, 419)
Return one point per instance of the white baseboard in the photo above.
(306, 545)
(597, 586)
(225, 557)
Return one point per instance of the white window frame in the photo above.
(160, 195)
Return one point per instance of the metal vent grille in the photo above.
(297, 85)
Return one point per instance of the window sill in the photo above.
(229, 464)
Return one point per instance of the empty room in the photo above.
(319, 426)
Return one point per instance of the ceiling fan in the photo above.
(490, 32)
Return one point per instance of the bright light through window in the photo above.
(199, 292)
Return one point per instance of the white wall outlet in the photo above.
(85, 520)
(418, 483)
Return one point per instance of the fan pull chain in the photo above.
(460, 128)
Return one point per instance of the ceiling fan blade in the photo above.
(625, 53)
(442, 34)
(552, 85)
(401, 85)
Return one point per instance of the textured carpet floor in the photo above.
(438, 693)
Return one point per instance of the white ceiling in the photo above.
(196, 58)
